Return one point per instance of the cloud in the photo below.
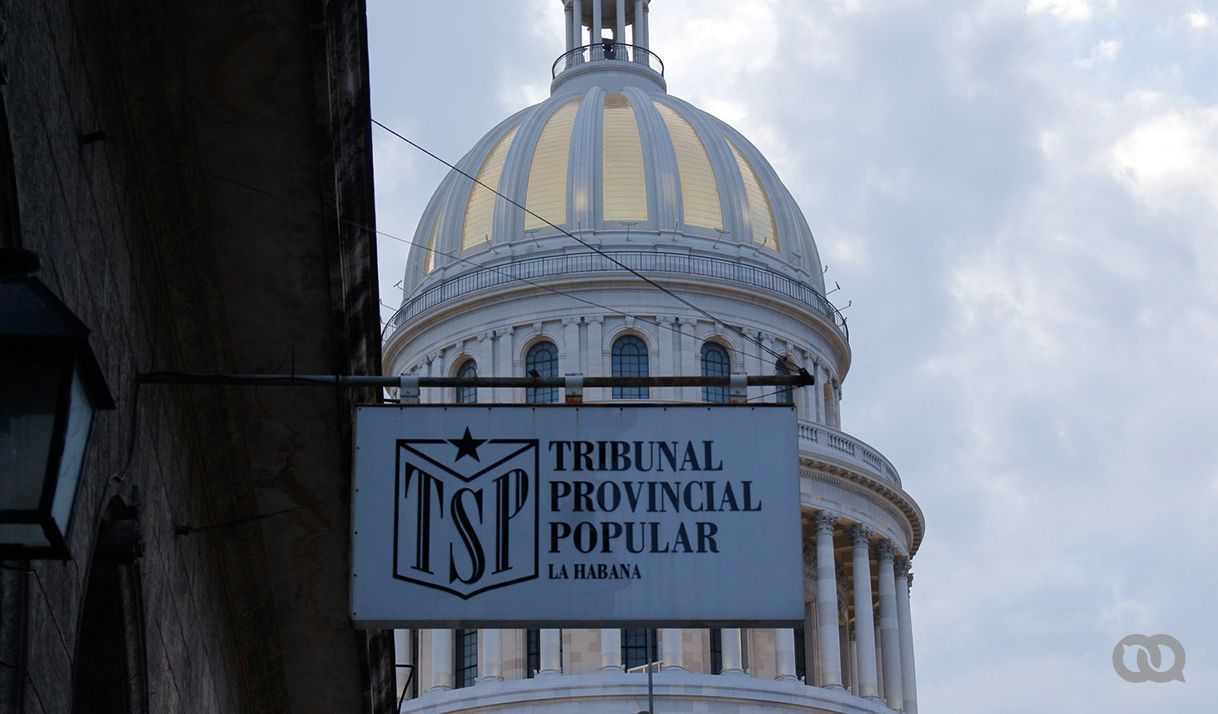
(1066, 10)
(1199, 20)
(1104, 53)
(1169, 160)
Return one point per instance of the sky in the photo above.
(1019, 201)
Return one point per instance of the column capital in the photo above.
(824, 521)
(860, 535)
(901, 563)
(594, 319)
(483, 337)
(885, 550)
(570, 321)
(503, 331)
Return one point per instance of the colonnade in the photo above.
(575, 26)
(877, 661)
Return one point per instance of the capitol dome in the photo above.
(630, 234)
(610, 150)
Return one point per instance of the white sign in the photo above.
(523, 515)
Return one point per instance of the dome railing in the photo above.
(824, 440)
(642, 261)
(607, 50)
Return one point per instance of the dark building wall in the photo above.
(196, 178)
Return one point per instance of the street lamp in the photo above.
(50, 385)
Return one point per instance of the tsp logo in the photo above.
(1158, 658)
(466, 513)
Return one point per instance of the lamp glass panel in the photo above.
(29, 535)
(76, 437)
(27, 424)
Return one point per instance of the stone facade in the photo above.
(195, 177)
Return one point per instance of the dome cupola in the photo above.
(613, 158)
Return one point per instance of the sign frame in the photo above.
(768, 512)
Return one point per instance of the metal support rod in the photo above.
(651, 695)
(803, 379)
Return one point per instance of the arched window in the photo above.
(784, 395)
(715, 363)
(716, 651)
(832, 418)
(541, 361)
(635, 650)
(467, 395)
(630, 360)
(465, 658)
(532, 653)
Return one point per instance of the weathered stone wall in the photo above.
(196, 178)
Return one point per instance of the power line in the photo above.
(453, 256)
(587, 245)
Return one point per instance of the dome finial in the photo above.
(606, 22)
(596, 31)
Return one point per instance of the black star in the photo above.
(467, 446)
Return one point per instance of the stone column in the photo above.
(908, 679)
(570, 27)
(826, 603)
(753, 360)
(637, 40)
(768, 365)
(807, 395)
(596, 355)
(611, 649)
(485, 356)
(890, 636)
(425, 395)
(665, 334)
(784, 654)
(401, 655)
(672, 652)
(578, 35)
(596, 23)
(646, 24)
(689, 357)
(503, 364)
(441, 660)
(490, 655)
(731, 651)
(568, 351)
(551, 652)
(879, 664)
(864, 618)
(619, 33)
(441, 367)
